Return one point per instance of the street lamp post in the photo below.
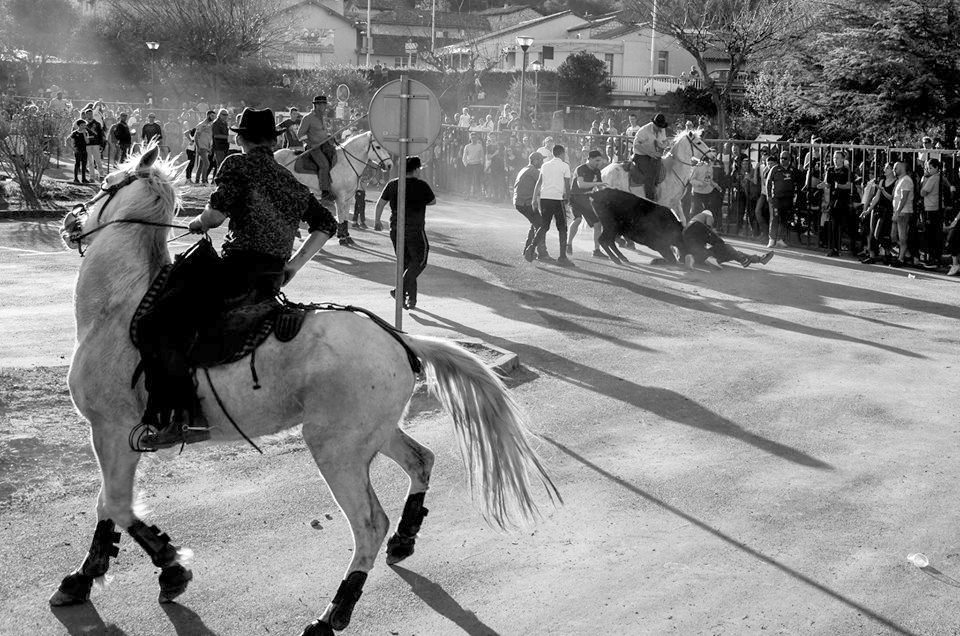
(524, 41)
(153, 46)
(536, 66)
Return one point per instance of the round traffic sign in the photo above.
(424, 117)
(343, 93)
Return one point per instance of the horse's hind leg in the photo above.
(348, 476)
(118, 465)
(417, 461)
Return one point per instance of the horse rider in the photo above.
(648, 146)
(264, 203)
(320, 146)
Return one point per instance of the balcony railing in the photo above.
(655, 85)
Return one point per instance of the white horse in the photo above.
(353, 156)
(685, 150)
(313, 380)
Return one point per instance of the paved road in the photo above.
(744, 452)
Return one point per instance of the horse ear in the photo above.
(147, 159)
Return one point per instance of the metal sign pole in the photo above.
(402, 191)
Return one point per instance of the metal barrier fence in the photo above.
(734, 203)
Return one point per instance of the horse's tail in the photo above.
(494, 441)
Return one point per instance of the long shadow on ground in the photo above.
(442, 603)
(874, 616)
(665, 403)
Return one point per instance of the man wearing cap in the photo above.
(221, 138)
(701, 242)
(648, 146)
(415, 246)
(586, 179)
(313, 132)
(265, 205)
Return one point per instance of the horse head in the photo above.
(141, 191)
(689, 145)
(378, 155)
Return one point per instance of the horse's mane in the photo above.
(366, 133)
(162, 180)
(697, 132)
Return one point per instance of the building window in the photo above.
(663, 62)
(608, 59)
(399, 62)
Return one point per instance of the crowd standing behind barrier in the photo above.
(737, 201)
(738, 173)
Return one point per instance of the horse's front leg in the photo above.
(118, 465)
(172, 561)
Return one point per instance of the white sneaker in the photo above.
(782, 243)
(954, 270)
(771, 244)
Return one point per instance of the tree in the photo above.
(25, 143)
(585, 76)
(324, 81)
(886, 70)
(741, 31)
(212, 35)
(36, 30)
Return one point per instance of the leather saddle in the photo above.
(181, 311)
(633, 173)
(306, 164)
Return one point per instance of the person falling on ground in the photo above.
(701, 243)
(416, 249)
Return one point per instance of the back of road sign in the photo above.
(424, 117)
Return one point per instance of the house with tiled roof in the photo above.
(500, 17)
(401, 37)
(318, 34)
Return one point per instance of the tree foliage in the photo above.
(585, 78)
(740, 32)
(887, 70)
(26, 141)
(324, 81)
(37, 30)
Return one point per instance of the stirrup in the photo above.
(171, 435)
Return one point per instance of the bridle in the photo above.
(75, 233)
(365, 162)
(690, 164)
(693, 149)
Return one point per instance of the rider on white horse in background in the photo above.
(265, 204)
(649, 144)
(321, 147)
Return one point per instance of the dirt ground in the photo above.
(744, 452)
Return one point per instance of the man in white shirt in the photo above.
(550, 196)
(902, 211)
(648, 146)
(472, 159)
(546, 150)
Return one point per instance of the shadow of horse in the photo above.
(84, 620)
(442, 603)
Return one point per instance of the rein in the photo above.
(673, 169)
(82, 210)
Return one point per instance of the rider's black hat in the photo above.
(320, 99)
(660, 121)
(256, 125)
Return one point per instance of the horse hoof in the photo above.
(63, 599)
(173, 582)
(399, 548)
(318, 628)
